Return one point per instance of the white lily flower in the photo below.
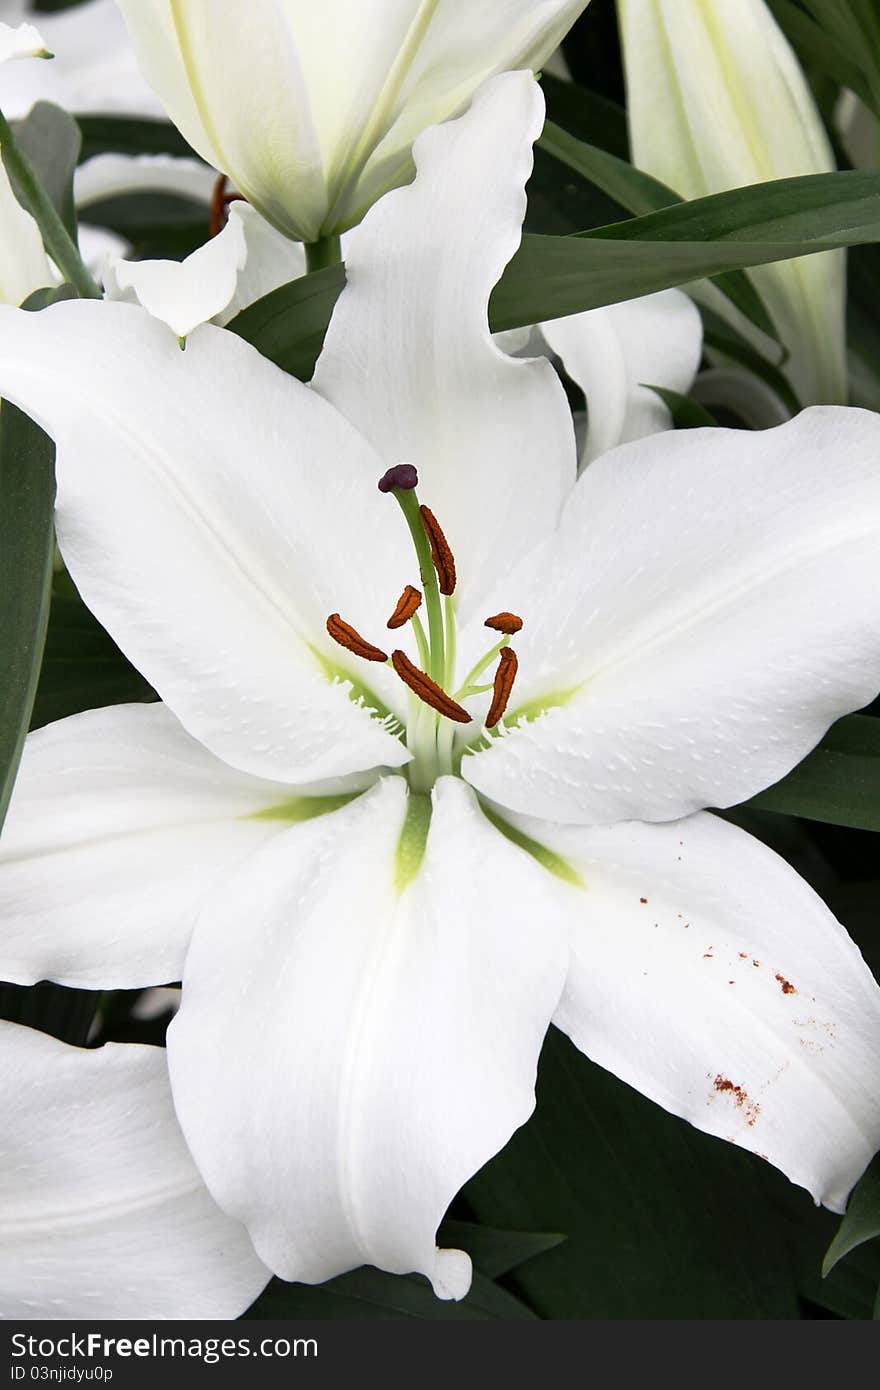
(376, 909)
(22, 41)
(716, 100)
(102, 1210)
(94, 68)
(310, 142)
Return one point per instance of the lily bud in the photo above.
(311, 109)
(717, 100)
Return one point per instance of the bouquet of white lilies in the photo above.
(439, 535)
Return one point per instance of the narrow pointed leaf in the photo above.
(839, 782)
(640, 193)
(288, 324)
(862, 1219)
(686, 414)
(51, 140)
(27, 498)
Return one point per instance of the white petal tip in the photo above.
(22, 42)
(452, 1275)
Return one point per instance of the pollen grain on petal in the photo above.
(441, 553)
(410, 600)
(350, 638)
(427, 689)
(505, 675)
(508, 623)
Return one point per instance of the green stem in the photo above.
(33, 197)
(323, 253)
(409, 505)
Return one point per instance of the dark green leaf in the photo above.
(586, 114)
(817, 48)
(27, 498)
(686, 414)
(849, 1291)
(640, 194)
(369, 1293)
(496, 1252)
(50, 138)
(82, 666)
(552, 276)
(50, 294)
(661, 1221)
(838, 782)
(862, 1219)
(288, 325)
(129, 135)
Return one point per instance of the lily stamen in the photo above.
(508, 623)
(421, 684)
(504, 678)
(441, 552)
(410, 600)
(348, 637)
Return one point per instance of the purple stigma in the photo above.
(401, 475)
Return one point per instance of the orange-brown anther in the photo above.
(444, 561)
(347, 637)
(507, 623)
(410, 600)
(504, 678)
(427, 689)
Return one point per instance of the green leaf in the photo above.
(49, 294)
(862, 1219)
(839, 782)
(640, 194)
(818, 48)
(82, 666)
(686, 414)
(590, 116)
(288, 324)
(661, 1221)
(50, 138)
(130, 135)
(551, 277)
(495, 1252)
(27, 499)
(370, 1293)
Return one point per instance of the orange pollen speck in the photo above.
(504, 678)
(507, 623)
(444, 561)
(409, 601)
(427, 689)
(348, 637)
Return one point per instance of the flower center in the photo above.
(435, 708)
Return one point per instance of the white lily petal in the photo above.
(312, 143)
(716, 100)
(381, 1040)
(120, 825)
(116, 175)
(706, 973)
(23, 41)
(272, 260)
(408, 356)
(102, 1212)
(94, 68)
(615, 354)
(708, 608)
(183, 294)
(24, 265)
(211, 541)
